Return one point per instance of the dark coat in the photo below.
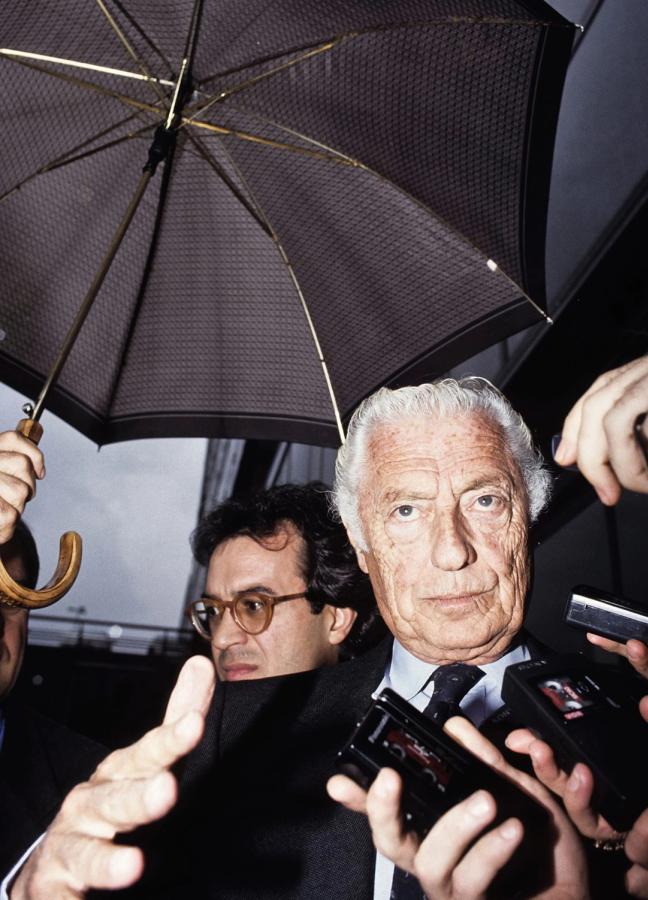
(40, 761)
(254, 821)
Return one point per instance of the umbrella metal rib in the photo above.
(158, 152)
(148, 77)
(262, 218)
(77, 64)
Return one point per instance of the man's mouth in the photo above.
(238, 671)
(455, 600)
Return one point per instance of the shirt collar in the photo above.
(406, 673)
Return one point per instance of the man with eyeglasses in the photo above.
(283, 592)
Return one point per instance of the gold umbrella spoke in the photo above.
(148, 76)
(17, 55)
(356, 163)
(300, 294)
(269, 142)
(255, 79)
(92, 86)
(208, 157)
(66, 159)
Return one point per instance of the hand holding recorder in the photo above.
(451, 811)
(589, 746)
(612, 624)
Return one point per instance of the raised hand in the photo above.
(598, 434)
(131, 787)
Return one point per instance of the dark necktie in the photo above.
(451, 684)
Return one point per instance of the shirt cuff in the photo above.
(8, 880)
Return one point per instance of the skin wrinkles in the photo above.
(445, 513)
(296, 640)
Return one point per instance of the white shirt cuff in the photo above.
(9, 879)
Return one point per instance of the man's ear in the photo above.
(343, 618)
(359, 552)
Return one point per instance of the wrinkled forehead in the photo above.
(459, 449)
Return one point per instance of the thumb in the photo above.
(193, 690)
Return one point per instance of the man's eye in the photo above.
(251, 605)
(487, 501)
(406, 512)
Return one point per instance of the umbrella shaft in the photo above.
(85, 307)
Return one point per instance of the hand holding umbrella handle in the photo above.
(69, 562)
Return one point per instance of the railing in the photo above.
(118, 637)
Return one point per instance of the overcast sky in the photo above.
(134, 505)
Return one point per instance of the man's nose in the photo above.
(451, 546)
(227, 633)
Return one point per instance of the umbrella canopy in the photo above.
(356, 182)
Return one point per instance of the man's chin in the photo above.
(449, 640)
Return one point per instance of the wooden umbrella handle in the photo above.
(69, 562)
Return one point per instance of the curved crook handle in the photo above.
(69, 562)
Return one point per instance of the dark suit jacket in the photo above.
(40, 761)
(254, 820)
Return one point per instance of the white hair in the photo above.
(445, 397)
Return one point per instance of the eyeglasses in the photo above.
(251, 611)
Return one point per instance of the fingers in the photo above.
(465, 733)
(542, 758)
(637, 882)
(382, 805)
(384, 813)
(577, 798)
(345, 791)
(576, 789)
(643, 708)
(636, 849)
(636, 845)
(48, 873)
(101, 809)
(159, 749)
(181, 731)
(13, 443)
(598, 433)
(481, 864)
(21, 463)
(636, 652)
(443, 864)
(193, 690)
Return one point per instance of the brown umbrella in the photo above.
(351, 194)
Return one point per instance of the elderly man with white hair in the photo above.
(437, 486)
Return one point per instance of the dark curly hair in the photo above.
(329, 564)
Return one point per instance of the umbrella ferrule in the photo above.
(163, 141)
